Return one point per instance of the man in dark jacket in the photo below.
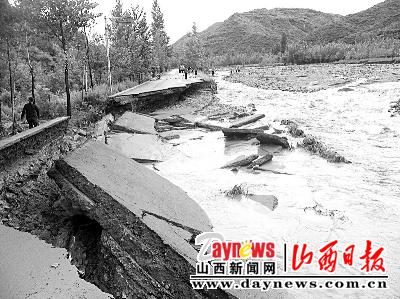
(32, 113)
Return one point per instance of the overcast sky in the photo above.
(179, 15)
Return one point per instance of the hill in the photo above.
(382, 19)
(260, 30)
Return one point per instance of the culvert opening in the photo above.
(84, 245)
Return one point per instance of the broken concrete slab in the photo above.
(135, 123)
(264, 127)
(265, 138)
(240, 161)
(210, 127)
(165, 113)
(144, 217)
(247, 120)
(265, 149)
(140, 147)
(171, 137)
(270, 201)
(261, 160)
(133, 185)
(235, 133)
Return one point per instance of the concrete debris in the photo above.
(144, 220)
(265, 138)
(234, 133)
(247, 120)
(240, 161)
(270, 201)
(140, 147)
(135, 123)
(261, 160)
(311, 144)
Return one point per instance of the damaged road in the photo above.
(147, 223)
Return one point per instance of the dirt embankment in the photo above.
(310, 78)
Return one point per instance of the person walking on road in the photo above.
(31, 111)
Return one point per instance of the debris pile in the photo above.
(311, 144)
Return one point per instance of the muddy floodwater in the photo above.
(318, 201)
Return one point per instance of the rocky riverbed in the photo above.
(311, 78)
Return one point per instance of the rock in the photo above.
(346, 89)
(164, 128)
(170, 137)
(186, 125)
(261, 160)
(29, 151)
(247, 120)
(264, 127)
(240, 161)
(102, 126)
(265, 138)
(254, 141)
(236, 115)
(173, 119)
(135, 123)
(234, 133)
(293, 128)
(82, 132)
(313, 145)
(278, 131)
(77, 137)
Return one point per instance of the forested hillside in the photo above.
(260, 30)
(300, 36)
(50, 51)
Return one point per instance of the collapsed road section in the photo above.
(141, 225)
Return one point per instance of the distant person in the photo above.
(186, 74)
(31, 111)
(212, 73)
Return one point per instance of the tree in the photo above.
(130, 43)
(99, 58)
(283, 43)
(161, 51)
(61, 19)
(8, 20)
(194, 55)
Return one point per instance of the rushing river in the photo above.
(359, 201)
